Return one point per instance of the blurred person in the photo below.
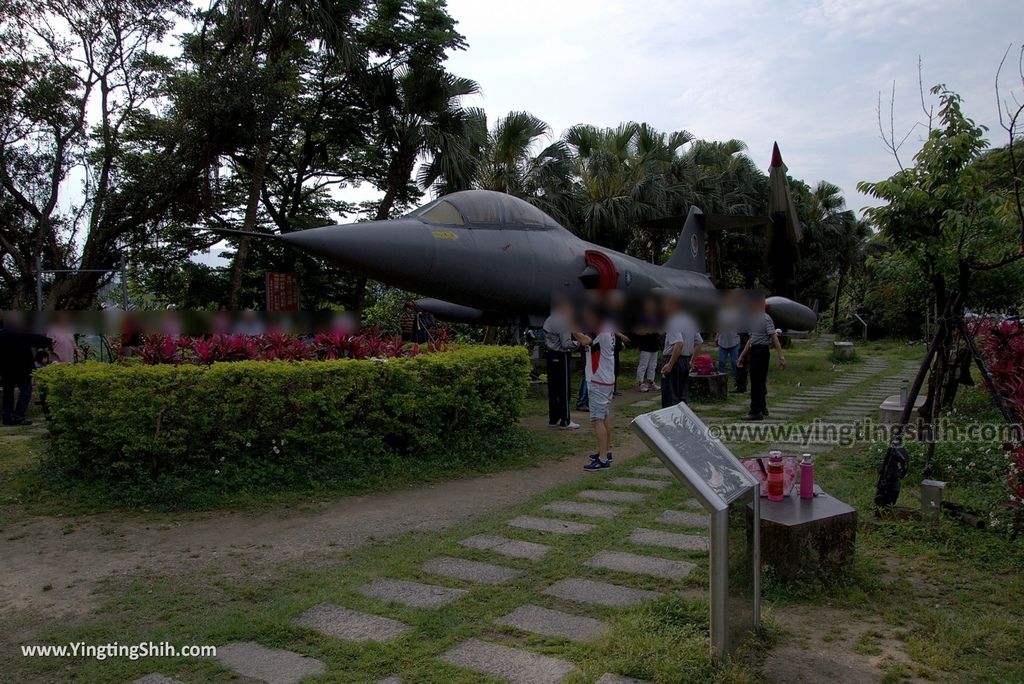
(727, 337)
(65, 343)
(600, 371)
(763, 336)
(648, 340)
(559, 344)
(682, 341)
(17, 361)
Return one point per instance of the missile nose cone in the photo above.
(379, 249)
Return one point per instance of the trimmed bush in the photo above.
(185, 434)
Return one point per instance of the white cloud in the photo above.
(805, 74)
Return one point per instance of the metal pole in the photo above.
(39, 282)
(124, 283)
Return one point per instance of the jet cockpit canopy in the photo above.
(483, 208)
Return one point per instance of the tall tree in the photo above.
(75, 78)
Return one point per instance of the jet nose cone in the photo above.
(385, 250)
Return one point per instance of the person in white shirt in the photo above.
(600, 369)
(682, 341)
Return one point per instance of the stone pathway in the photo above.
(272, 665)
(559, 611)
(511, 664)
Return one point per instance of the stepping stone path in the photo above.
(618, 679)
(511, 664)
(271, 665)
(685, 518)
(639, 482)
(469, 570)
(589, 510)
(412, 594)
(612, 495)
(672, 540)
(513, 548)
(599, 593)
(528, 522)
(651, 470)
(641, 565)
(350, 625)
(555, 623)
(156, 678)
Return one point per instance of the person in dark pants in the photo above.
(559, 346)
(757, 352)
(682, 339)
(17, 360)
(741, 371)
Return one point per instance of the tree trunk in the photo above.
(259, 168)
(839, 291)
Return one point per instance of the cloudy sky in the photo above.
(805, 73)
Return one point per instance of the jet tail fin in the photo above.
(689, 254)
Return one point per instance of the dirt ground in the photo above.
(52, 565)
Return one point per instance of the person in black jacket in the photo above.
(17, 360)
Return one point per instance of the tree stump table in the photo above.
(801, 537)
(714, 386)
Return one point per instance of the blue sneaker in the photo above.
(595, 464)
(608, 462)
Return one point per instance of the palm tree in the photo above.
(421, 115)
(508, 157)
(624, 177)
(836, 233)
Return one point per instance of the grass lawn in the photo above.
(923, 602)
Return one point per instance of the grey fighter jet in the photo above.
(487, 257)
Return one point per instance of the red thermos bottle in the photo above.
(806, 478)
(776, 478)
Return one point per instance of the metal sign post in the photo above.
(731, 496)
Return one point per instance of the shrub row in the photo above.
(179, 434)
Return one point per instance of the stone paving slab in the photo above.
(513, 548)
(537, 620)
(389, 680)
(641, 565)
(639, 482)
(599, 593)
(612, 495)
(349, 625)
(515, 665)
(156, 678)
(610, 678)
(687, 518)
(529, 522)
(802, 447)
(413, 594)
(672, 540)
(469, 570)
(589, 510)
(651, 470)
(271, 665)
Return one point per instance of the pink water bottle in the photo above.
(776, 476)
(806, 478)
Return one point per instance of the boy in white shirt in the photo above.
(600, 369)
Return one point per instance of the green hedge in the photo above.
(185, 434)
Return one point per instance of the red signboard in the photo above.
(282, 291)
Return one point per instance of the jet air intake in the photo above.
(600, 273)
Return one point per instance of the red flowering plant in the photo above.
(277, 346)
(1001, 343)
